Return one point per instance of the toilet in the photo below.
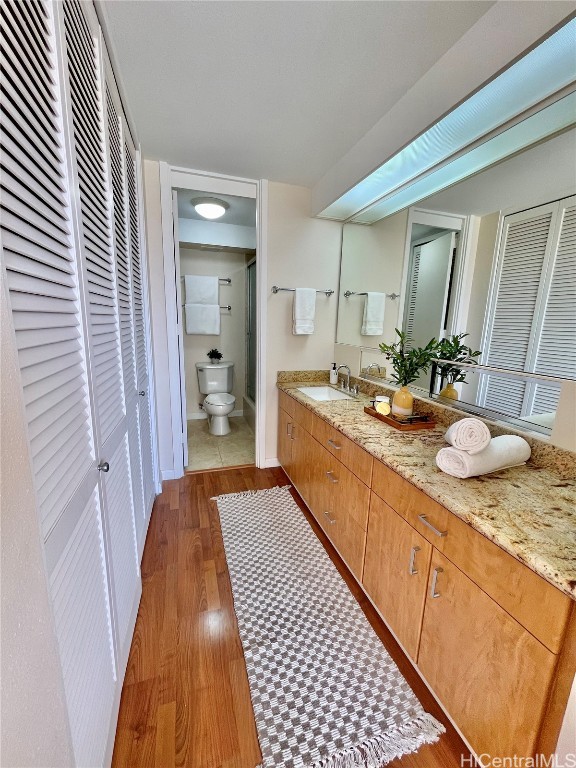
(215, 381)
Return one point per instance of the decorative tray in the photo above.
(403, 423)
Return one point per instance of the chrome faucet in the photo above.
(372, 365)
(347, 387)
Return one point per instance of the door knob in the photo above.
(103, 466)
(142, 392)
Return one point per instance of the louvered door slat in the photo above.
(38, 252)
(82, 620)
(87, 117)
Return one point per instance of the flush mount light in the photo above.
(210, 207)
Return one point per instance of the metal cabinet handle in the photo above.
(411, 569)
(334, 445)
(142, 392)
(433, 592)
(292, 431)
(289, 426)
(331, 520)
(330, 476)
(103, 466)
(424, 519)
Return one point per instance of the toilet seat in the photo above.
(219, 398)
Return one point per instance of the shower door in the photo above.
(251, 331)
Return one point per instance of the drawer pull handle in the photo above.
(293, 431)
(334, 445)
(331, 520)
(330, 476)
(411, 569)
(289, 429)
(424, 520)
(433, 592)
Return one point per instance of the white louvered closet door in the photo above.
(526, 243)
(138, 293)
(556, 349)
(41, 271)
(116, 131)
(100, 260)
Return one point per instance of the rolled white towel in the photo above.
(468, 434)
(503, 452)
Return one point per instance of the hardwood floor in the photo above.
(186, 700)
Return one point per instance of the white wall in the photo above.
(232, 339)
(302, 253)
(34, 725)
(372, 261)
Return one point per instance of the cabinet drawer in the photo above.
(348, 494)
(490, 673)
(541, 608)
(356, 459)
(286, 402)
(303, 417)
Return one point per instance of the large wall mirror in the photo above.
(493, 256)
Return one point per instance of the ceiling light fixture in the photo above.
(210, 207)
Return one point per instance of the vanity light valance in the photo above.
(499, 119)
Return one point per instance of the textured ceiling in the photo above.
(273, 89)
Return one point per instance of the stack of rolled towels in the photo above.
(474, 452)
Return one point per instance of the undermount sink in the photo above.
(324, 393)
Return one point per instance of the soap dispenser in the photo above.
(333, 374)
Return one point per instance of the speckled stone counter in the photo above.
(528, 511)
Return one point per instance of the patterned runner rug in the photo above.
(325, 692)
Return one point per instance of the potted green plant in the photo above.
(453, 349)
(215, 356)
(408, 363)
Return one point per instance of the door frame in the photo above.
(173, 177)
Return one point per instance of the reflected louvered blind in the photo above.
(136, 266)
(411, 310)
(40, 261)
(87, 118)
(557, 343)
(526, 240)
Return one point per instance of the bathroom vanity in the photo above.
(475, 578)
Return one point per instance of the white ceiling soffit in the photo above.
(448, 151)
(505, 32)
(273, 89)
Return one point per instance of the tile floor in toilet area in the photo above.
(206, 451)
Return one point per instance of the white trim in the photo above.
(185, 178)
(261, 321)
(269, 463)
(167, 474)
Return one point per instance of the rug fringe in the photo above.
(382, 749)
(243, 494)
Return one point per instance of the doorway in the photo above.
(215, 258)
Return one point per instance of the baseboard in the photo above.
(198, 415)
(269, 463)
(167, 474)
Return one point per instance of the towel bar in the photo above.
(347, 294)
(328, 292)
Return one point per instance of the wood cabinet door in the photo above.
(396, 572)
(301, 447)
(285, 425)
(489, 672)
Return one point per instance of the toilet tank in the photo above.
(215, 377)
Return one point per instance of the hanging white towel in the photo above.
(202, 319)
(201, 289)
(373, 320)
(303, 312)
(470, 435)
(503, 452)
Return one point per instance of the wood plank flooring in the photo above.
(186, 700)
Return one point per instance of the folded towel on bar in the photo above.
(303, 311)
(201, 289)
(373, 319)
(503, 452)
(203, 319)
(470, 435)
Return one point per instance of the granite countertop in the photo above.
(528, 511)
